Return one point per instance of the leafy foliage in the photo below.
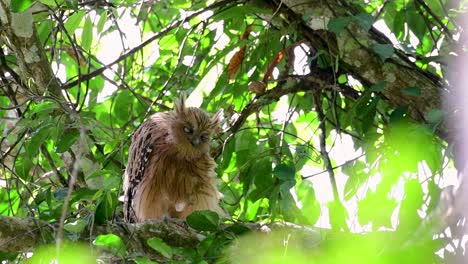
(69, 150)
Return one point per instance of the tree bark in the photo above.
(25, 234)
(19, 33)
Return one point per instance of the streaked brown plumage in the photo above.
(170, 172)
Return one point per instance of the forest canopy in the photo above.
(341, 137)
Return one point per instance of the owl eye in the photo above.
(188, 130)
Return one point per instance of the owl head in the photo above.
(192, 129)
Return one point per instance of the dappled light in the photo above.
(340, 138)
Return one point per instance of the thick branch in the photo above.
(24, 234)
(353, 48)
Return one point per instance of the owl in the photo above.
(170, 172)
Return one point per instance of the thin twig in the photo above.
(60, 176)
(161, 33)
(72, 180)
(334, 168)
(445, 30)
(323, 145)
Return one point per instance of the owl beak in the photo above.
(195, 141)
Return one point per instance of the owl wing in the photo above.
(139, 154)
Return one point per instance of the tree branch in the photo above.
(323, 144)
(24, 234)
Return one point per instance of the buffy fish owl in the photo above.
(170, 172)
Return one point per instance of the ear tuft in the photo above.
(217, 118)
(179, 104)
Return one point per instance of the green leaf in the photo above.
(244, 140)
(434, 191)
(74, 21)
(262, 173)
(181, 4)
(52, 3)
(338, 25)
(413, 200)
(203, 220)
(23, 165)
(377, 208)
(76, 226)
(66, 140)
(284, 172)
(411, 91)
(45, 108)
(302, 156)
(9, 202)
(310, 206)
(82, 194)
(285, 186)
(416, 22)
(144, 260)
(365, 20)
(103, 180)
(87, 35)
(378, 86)
(61, 193)
(236, 12)
(106, 207)
(160, 246)
(32, 146)
(69, 253)
(237, 228)
(72, 4)
(357, 176)
(123, 105)
(338, 214)
(384, 51)
(435, 116)
(367, 114)
(342, 79)
(18, 6)
(8, 257)
(399, 24)
(44, 29)
(111, 243)
(101, 22)
(398, 114)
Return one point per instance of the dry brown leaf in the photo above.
(235, 63)
(236, 60)
(272, 66)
